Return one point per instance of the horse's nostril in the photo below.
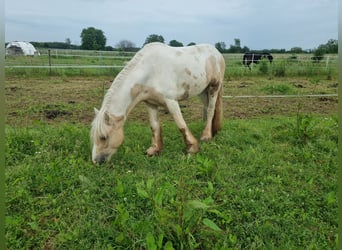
(100, 159)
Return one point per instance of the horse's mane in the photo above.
(119, 79)
(97, 127)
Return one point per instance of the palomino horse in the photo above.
(160, 75)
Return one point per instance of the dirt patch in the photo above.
(73, 99)
(52, 111)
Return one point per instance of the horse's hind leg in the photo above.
(189, 139)
(209, 97)
(205, 100)
(157, 141)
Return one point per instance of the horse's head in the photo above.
(269, 56)
(106, 135)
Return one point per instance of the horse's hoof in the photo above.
(193, 149)
(206, 138)
(153, 151)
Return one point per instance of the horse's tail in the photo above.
(218, 114)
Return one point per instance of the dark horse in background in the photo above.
(252, 57)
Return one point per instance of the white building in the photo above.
(21, 48)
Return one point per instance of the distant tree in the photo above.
(220, 46)
(234, 49)
(296, 50)
(319, 53)
(93, 39)
(245, 49)
(332, 46)
(125, 45)
(237, 42)
(191, 44)
(68, 42)
(154, 38)
(54, 45)
(109, 48)
(175, 43)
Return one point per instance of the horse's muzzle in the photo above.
(100, 159)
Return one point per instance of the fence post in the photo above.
(49, 53)
(327, 62)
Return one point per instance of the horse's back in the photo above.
(179, 54)
(177, 60)
(178, 72)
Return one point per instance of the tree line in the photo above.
(94, 39)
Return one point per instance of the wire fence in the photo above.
(278, 96)
(53, 62)
(58, 58)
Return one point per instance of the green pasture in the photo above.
(283, 64)
(267, 183)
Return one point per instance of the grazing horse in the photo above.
(252, 57)
(160, 75)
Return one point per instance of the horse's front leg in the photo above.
(157, 141)
(189, 139)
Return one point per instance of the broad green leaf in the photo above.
(141, 192)
(151, 244)
(149, 184)
(168, 246)
(158, 198)
(197, 204)
(84, 179)
(119, 187)
(212, 225)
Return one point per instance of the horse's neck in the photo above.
(118, 99)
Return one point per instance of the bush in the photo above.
(279, 69)
(318, 54)
(277, 89)
(263, 68)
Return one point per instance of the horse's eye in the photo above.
(103, 138)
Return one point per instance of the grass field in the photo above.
(267, 181)
(262, 183)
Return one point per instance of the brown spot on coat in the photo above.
(210, 69)
(186, 88)
(178, 53)
(141, 93)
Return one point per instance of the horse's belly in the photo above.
(186, 89)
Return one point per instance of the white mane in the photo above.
(98, 125)
(119, 79)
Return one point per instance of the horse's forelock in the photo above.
(98, 127)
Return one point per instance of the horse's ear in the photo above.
(96, 111)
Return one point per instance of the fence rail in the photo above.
(278, 96)
(70, 66)
(98, 60)
(300, 64)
